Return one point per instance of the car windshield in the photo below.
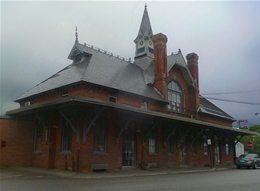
(247, 156)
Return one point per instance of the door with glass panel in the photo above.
(128, 154)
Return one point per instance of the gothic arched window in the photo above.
(175, 97)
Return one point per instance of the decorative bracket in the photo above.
(170, 133)
(46, 125)
(238, 139)
(184, 135)
(68, 121)
(92, 122)
(124, 128)
(149, 132)
(207, 135)
(197, 136)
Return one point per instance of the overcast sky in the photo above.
(37, 37)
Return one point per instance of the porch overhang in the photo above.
(83, 101)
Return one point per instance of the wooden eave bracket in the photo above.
(46, 124)
(196, 137)
(173, 129)
(187, 131)
(145, 136)
(92, 122)
(68, 121)
(124, 128)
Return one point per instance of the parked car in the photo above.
(248, 160)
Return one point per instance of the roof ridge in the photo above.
(106, 52)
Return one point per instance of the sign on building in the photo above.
(243, 124)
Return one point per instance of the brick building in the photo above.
(105, 112)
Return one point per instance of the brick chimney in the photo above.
(192, 60)
(160, 63)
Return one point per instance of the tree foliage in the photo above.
(254, 139)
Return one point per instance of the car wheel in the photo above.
(248, 167)
(238, 167)
(255, 166)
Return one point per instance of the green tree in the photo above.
(254, 139)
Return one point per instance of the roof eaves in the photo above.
(82, 100)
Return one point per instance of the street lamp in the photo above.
(257, 113)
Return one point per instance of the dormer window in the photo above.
(113, 97)
(64, 93)
(78, 57)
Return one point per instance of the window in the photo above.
(64, 93)
(100, 136)
(144, 105)
(175, 97)
(113, 97)
(227, 146)
(153, 142)
(195, 147)
(66, 137)
(38, 138)
(206, 146)
(170, 146)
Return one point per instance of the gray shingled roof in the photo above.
(101, 69)
(209, 108)
(105, 70)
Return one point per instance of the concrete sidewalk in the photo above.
(118, 174)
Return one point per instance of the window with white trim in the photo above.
(64, 93)
(153, 142)
(113, 97)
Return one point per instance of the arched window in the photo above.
(175, 97)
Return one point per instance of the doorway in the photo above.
(182, 149)
(128, 154)
(217, 156)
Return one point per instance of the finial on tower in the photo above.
(145, 5)
(76, 34)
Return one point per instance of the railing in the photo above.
(181, 110)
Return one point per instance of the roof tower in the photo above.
(143, 41)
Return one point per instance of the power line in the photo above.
(237, 92)
(234, 101)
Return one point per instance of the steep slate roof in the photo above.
(209, 108)
(101, 69)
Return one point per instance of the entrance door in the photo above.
(183, 155)
(217, 155)
(182, 149)
(128, 154)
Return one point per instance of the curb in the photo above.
(121, 174)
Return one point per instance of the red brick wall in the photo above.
(17, 135)
(215, 120)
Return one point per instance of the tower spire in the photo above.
(143, 41)
(76, 34)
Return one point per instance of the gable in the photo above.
(177, 60)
